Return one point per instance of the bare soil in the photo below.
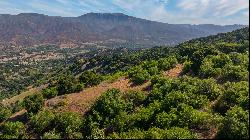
(175, 72)
(82, 101)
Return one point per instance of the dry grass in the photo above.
(82, 101)
(175, 72)
(21, 96)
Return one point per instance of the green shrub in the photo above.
(155, 133)
(49, 92)
(75, 135)
(235, 73)
(174, 98)
(51, 135)
(68, 123)
(12, 130)
(209, 88)
(166, 120)
(89, 78)
(212, 65)
(167, 63)
(235, 124)
(112, 77)
(144, 116)
(110, 104)
(231, 47)
(187, 66)
(66, 84)
(138, 75)
(33, 103)
(97, 134)
(179, 133)
(153, 71)
(135, 97)
(234, 94)
(79, 87)
(183, 116)
(4, 113)
(42, 121)
(226, 67)
(17, 106)
(159, 80)
(122, 122)
(131, 134)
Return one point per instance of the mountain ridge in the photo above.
(101, 28)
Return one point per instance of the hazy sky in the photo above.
(168, 11)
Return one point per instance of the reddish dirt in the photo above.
(175, 72)
(82, 101)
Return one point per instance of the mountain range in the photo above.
(107, 29)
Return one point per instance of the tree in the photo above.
(66, 84)
(33, 103)
(135, 97)
(234, 94)
(50, 92)
(4, 113)
(187, 67)
(235, 125)
(12, 130)
(42, 121)
(89, 78)
(68, 123)
(164, 64)
(138, 75)
(212, 65)
(110, 104)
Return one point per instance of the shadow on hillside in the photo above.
(19, 117)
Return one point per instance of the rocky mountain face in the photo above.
(29, 29)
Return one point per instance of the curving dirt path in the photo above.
(82, 101)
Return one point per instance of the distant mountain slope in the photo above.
(105, 28)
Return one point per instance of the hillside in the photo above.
(196, 90)
(108, 29)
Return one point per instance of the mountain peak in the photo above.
(110, 28)
(104, 15)
(30, 14)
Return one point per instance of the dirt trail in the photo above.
(82, 101)
(175, 72)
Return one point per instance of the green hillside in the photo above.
(209, 98)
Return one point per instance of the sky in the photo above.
(220, 12)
